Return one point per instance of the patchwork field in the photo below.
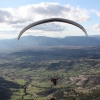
(78, 79)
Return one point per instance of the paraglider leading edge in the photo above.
(52, 20)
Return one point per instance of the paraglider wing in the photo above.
(52, 20)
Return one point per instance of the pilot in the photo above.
(54, 80)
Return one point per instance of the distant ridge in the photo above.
(37, 41)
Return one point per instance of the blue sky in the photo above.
(15, 15)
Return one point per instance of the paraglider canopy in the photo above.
(52, 20)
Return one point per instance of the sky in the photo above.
(17, 14)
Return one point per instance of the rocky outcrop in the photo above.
(88, 80)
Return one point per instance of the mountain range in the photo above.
(27, 42)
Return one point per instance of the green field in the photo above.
(78, 79)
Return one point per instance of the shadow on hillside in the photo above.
(5, 88)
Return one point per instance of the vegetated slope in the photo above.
(56, 53)
(75, 76)
(5, 91)
(77, 73)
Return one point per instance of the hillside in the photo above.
(28, 42)
(30, 70)
(27, 65)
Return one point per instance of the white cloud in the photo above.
(96, 27)
(43, 10)
(4, 15)
(97, 12)
(50, 27)
(24, 15)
